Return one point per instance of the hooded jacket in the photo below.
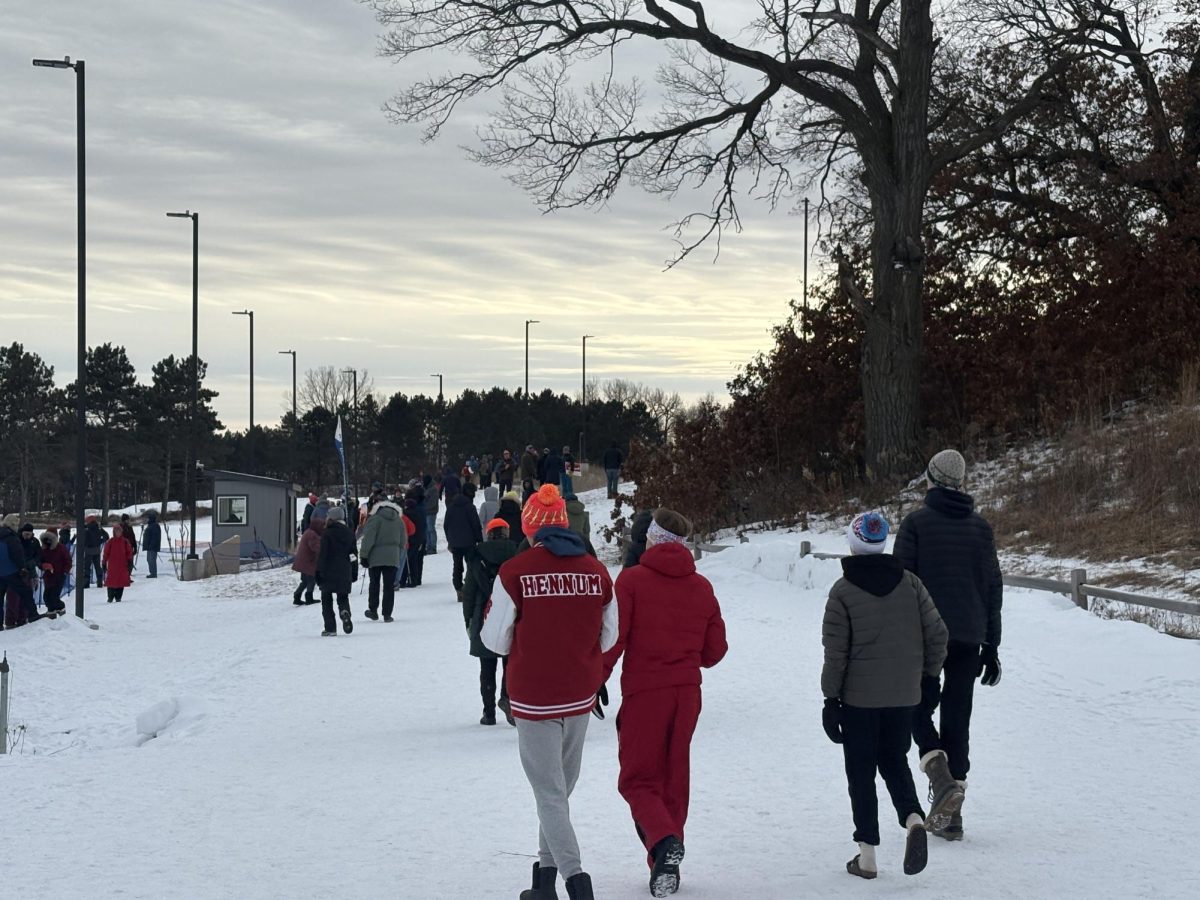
(553, 469)
(117, 557)
(510, 512)
(461, 523)
(94, 537)
(881, 633)
(333, 559)
(637, 538)
(581, 522)
(384, 536)
(552, 613)
(483, 565)
(490, 506)
(56, 561)
(951, 548)
(152, 534)
(414, 509)
(310, 546)
(12, 553)
(670, 622)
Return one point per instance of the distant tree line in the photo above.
(138, 430)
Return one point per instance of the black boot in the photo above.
(664, 876)
(543, 884)
(579, 887)
(296, 597)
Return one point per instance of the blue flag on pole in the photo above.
(337, 442)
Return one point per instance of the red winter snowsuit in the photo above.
(118, 558)
(670, 627)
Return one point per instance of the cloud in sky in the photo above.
(353, 242)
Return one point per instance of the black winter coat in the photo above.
(414, 508)
(637, 538)
(94, 537)
(333, 559)
(554, 469)
(152, 537)
(612, 458)
(510, 512)
(483, 564)
(461, 523)
(950, 547)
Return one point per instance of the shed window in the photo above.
(232, 510)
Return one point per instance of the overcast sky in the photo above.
(352, 241)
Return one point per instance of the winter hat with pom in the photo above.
(947, 469)
(867, 534)
(546, 507)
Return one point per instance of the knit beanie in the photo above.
(947, 469)
(867, 534)
(546, 507)
(337, 514)
(496, 523)
(321, 510)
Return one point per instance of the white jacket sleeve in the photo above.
(609, 626)
(499, 620)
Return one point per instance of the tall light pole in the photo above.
(354, 432)
(250, 313)
(804, 320)
(438, 376)
(583, 396)
(295, 421)
(81, 319)
(528, 322)
(193, 435)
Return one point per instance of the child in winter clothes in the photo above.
(117, 557)
(56, 563)
(881, 633)
(670, 628)
(552, 614)
(483, 565)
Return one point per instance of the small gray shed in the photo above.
(253, 508)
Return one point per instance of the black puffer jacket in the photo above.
(950, 547)
(333, 560)
(510, 512)
(461, 524)
(637, 538)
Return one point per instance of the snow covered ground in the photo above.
(277, 764)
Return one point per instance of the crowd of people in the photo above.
(43, 565)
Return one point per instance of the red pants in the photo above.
(654, 735)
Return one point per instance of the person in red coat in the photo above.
(118, 563)
(670, 627)
(56, 563)
(306, 561)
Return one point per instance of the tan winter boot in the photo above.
(954, 831)
(945, 794)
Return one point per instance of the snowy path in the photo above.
(301, 767)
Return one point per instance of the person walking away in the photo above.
(553, 615)
(305, 562)
(432, 492)
(410, 529)
(541, 467)
(579, 519)
(882, 634)
(553, 469)
(127, 533)
(529, 464)
(510, 512)
(506, 473)
(951, 548)
(637, 538)
(486, 466)
(490, 505)
(306, 518)
(55, 564)
(612, 460)
(94, 539)
(334, 573)
(483, 565)
(568, 460)
(669, 628)
(152, 542)
(19, 605)
(117, 558)
(414, 508)
(463, 531)
(384, 542)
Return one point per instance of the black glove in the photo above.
(931, 692)
(989, 666)
(831, 719)
(601, 701)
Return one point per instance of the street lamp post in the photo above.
(81, 319)
(193, 437)
(804, 320)
(528, 322)
(438, 376)
(250, 313)
(583, 400)
(295, 421)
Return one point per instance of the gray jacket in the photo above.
(881, 633)
(491, 506)
(384, 536)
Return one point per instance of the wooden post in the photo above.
(805, 548)
(1078, 578)
(696, 551)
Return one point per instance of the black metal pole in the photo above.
(804, 321)
(195, 429)
(81, 342)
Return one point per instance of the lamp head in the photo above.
(64, 63)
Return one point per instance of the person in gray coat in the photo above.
(491, 505)
(384, 540)
(882, 634)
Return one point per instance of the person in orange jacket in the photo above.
(670, 627)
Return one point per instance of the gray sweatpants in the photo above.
(551, 751)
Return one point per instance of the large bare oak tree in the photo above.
(757, 99)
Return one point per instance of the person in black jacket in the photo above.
(14, 581)
(637, 538)
(483, 564)
(152, 542)
(94, 539)
(951, 548)
(510, 511)
(611, 461)
(463, 531)
(553, 468)
(414, 508)
(334, 571)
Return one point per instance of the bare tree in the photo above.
(802, 91)
(622, 390)
(329, 387)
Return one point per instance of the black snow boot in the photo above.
(664, 876)
(543, 884)
(347, 623)
(579, 887)
(506, 708)
(371, 614)
(296, 597)
(945, 794)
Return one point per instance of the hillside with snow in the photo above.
(205, 742)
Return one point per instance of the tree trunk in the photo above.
(162, 510)
(107, 495)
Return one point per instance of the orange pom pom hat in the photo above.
(546, 507)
